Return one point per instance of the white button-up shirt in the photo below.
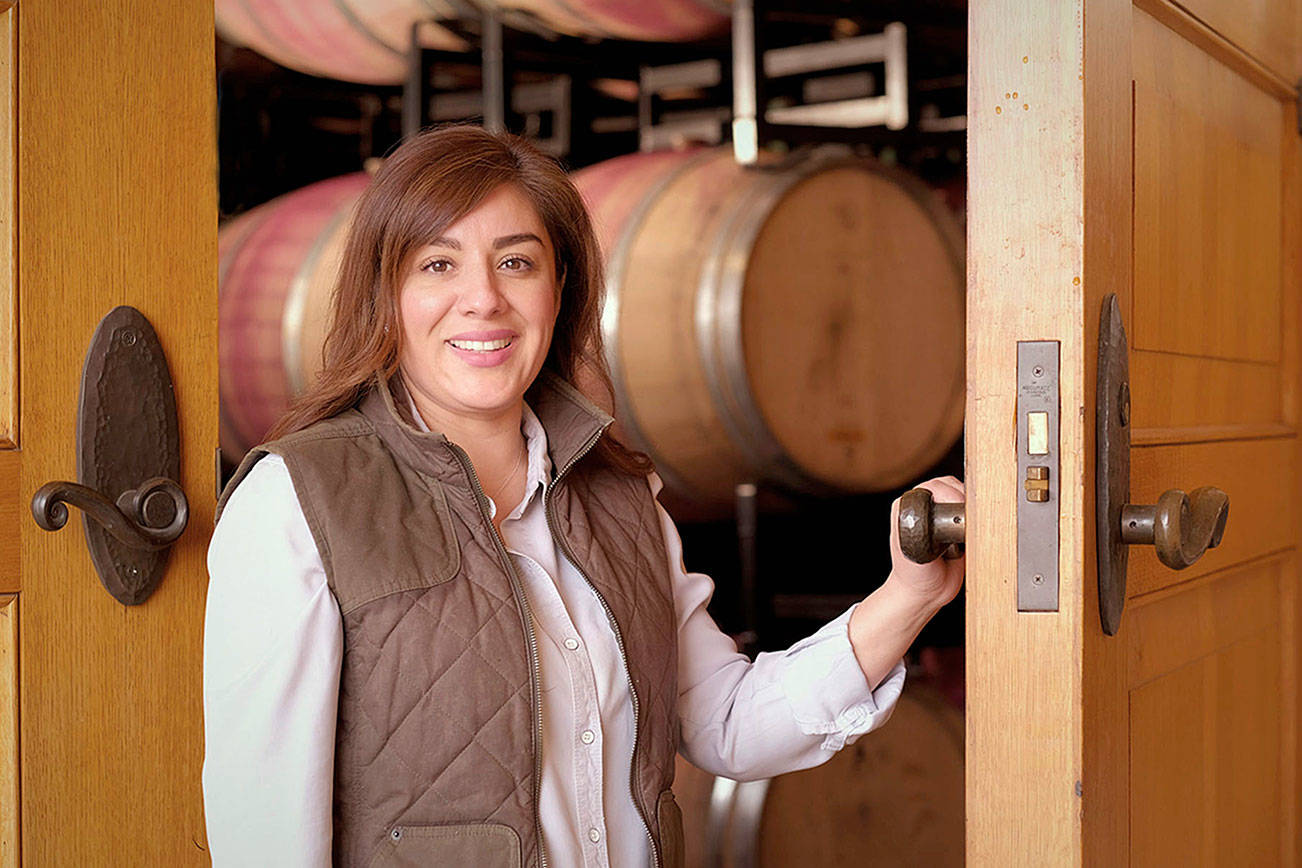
(273, 644)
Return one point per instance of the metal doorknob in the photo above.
(929, 529)
(1181, 526)
(149, 518)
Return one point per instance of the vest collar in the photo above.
(567, 416)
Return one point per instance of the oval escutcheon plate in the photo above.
(126, 434)
(1112, 480)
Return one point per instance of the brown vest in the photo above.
(438, 736)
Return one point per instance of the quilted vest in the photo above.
(439, 727)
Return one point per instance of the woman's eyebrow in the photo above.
(498, 244)
(518, 238)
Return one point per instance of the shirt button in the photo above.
(594, 836)
(587, 737)
(571, 644)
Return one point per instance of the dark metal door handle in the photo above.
(1181, 526)
(929, 530)
(150, 517)
(128, 441)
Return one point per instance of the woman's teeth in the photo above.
(482, 346)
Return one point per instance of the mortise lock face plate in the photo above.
(1038, 476)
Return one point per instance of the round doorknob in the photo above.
(1181, 526)
(929, 529)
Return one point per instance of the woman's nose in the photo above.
(481, 295)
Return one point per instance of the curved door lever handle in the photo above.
(148, 518)
(929, 529)
(1181, 526)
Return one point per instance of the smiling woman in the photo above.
(448, 622)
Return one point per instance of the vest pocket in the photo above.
(490, 845)
(670, 817)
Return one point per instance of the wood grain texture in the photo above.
(1192, 393)
(1027, 280)
(8, 229)
(1291, 599)
(9, 786)
(13, 512)
(1265, 30)
(1207, 676)
(1251, 472)
(1207, 193)
(117, 206)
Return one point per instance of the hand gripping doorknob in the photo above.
(1180, 526)
(929, 529)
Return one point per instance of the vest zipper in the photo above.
(619, 638)
(536, 681)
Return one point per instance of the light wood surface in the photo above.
(1026, 264)
(13, 512)
(9, 791)
(117, 205)
(8, 230)
(1164, 168)
(1267, 30)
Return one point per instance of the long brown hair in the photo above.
(428, 183)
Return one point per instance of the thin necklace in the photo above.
(507, 481)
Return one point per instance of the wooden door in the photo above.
(107, 197)
(1152, 151)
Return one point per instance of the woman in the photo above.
(448, 623)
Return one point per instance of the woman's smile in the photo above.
(484, 349)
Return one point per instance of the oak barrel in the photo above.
(353, 40)
(277, 266)
(893, 798)
(799, 323)
(367, 40)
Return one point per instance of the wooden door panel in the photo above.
(1267, 30)
(8, 228)
(117, 205)
(1182, 398)
(1158, 159)
(1206, 682)
(9, 827)
(1207, 164)
(13, 513)
(1259, 523)
(1204, 787)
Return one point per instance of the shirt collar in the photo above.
(571, 423)
(538, 472)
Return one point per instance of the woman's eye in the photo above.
(438, 266)
(516, 263)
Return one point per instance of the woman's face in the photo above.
(478, 305)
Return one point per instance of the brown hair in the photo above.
(432, 180)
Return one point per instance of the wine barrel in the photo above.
(894, 797)
(799, 323)
(353, 40)
(647, 20)
(277, 266)
(367, 40)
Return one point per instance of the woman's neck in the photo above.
(493, 442)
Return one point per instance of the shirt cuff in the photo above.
(827, 690)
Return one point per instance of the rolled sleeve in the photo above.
(828, 693)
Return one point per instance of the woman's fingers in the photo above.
(945, 489)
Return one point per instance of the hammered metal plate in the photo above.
(1112, 455)
(126, 433)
